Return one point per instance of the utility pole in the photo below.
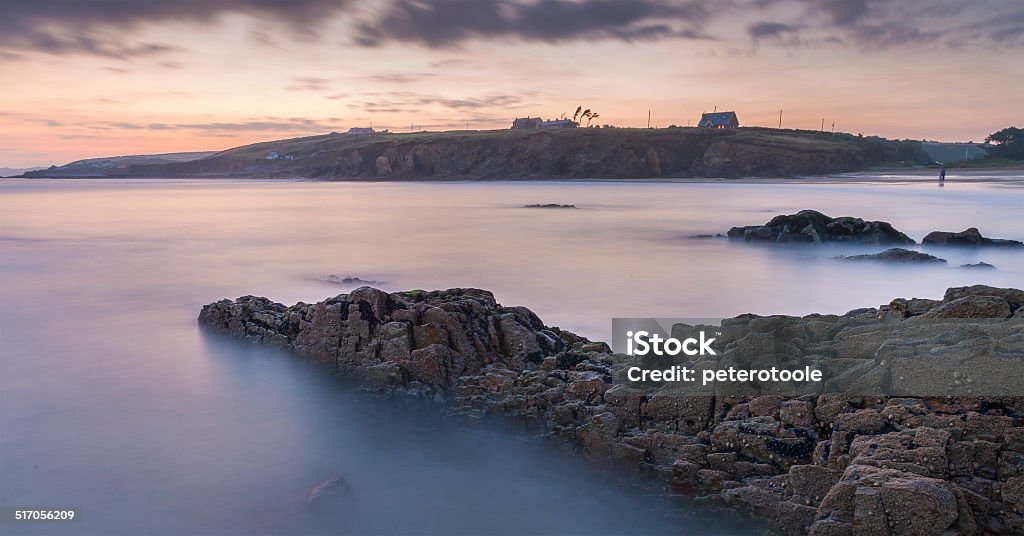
(648, 119)
(833, 128)
(780, 119)
(823, 124)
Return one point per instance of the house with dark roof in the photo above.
(527, 123)
(719, 120)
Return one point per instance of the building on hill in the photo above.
(560, 123)
(361, 130)
(272, 155)
(527, 123)
(719, 120)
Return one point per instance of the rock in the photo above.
(549, 205)
(817, 462)
(896, 255)
(810, 226)
(981, 264)
(329, 494)
(969, 237)
(972, 307)
(707, 236)
(1013, 296)
(347, 280)
(383, 166)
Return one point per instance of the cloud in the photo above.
(309, 83)
(270, 124)
(98, 27)
(449, 23)
(409, 102)
(763, 30)
(401, 78)
(871, 25)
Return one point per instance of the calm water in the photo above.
(113, 401)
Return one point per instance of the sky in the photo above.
(88, 78)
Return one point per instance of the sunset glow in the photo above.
(85, 79)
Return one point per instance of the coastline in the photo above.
(1007, 175)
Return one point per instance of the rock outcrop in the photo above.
(896, 255)
(813, 227)
(816, 463)
(969, 237)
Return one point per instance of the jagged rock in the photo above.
(896, 255)
(969, 237)
(816, 463)
(811, 226)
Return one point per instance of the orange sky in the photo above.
(188, 75)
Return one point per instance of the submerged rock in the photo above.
(549, 205)
(895, 255)
(347, 280)
(981, 264)
(969, 237)
(329, 495)
(813, 227)
(817, 463)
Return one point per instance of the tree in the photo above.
(1007, 143)
(592, 117)
(577, 114)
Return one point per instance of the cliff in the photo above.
(818, 463)
(610, 153)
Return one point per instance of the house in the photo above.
(272, 155)
(527, 123)
(361, 130)
(560, 123)
(719, 120)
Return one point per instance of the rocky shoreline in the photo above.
(815, 463)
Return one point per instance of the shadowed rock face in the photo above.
(813, 227)
(815, 463)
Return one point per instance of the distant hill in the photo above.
(114, 165)
(953, 152)
(612, 153)
(12, 172)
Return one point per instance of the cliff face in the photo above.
(819, 464)
(548, 154)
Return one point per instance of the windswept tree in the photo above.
(592, 117)
(576, 115)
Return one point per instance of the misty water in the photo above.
(112, 400)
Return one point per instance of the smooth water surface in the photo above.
(112, 400)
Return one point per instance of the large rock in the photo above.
(811, 226)
(969, 237)
(816, 462)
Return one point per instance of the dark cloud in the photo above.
(445, 23)
(763, 30)
(97, 27)
(873, 25)
(843, 12)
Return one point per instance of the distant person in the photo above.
(942, 175)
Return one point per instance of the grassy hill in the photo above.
(544, 154)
